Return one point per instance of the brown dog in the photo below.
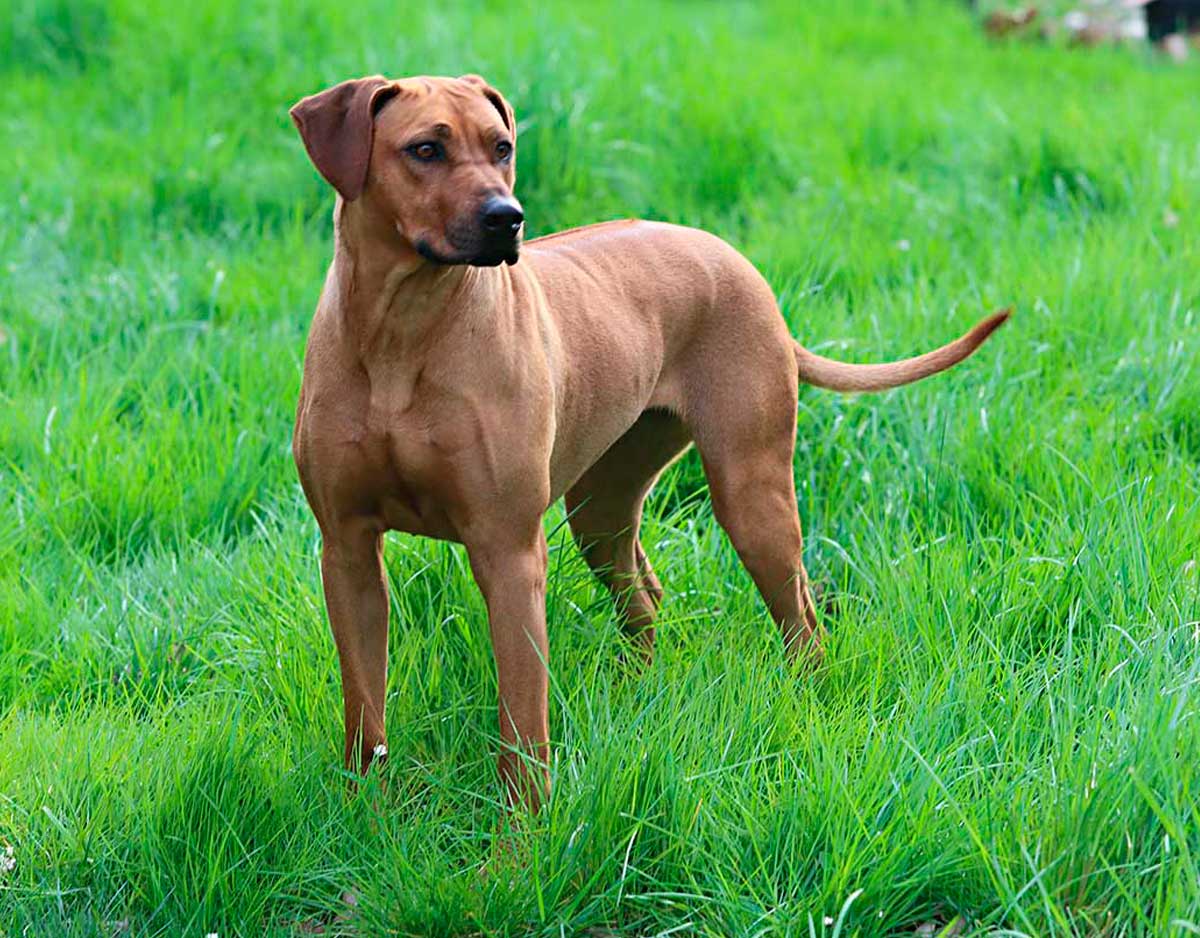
(451, 392)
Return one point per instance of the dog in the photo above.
(458, 382)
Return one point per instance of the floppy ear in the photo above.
(338, 126)
(498, 102)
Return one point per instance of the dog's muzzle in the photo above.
(500, 219)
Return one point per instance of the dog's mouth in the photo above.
(494, 258)
(467, 241)
(487, 254)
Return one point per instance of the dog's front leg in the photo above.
(356, 596)
(510, 569)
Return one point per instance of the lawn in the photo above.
(1002, 739)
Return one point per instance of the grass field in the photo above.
(1003, 737)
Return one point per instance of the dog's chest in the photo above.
(418, 454)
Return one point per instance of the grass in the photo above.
(1004, 734)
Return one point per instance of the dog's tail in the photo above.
(833, 375)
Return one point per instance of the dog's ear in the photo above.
(497, 99)
(338, 126)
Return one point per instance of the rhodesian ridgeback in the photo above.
(452, 392)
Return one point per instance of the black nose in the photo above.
(502, 215)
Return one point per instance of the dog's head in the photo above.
(437, 156)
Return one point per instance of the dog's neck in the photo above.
(384, 288)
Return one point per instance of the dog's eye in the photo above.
(503, 151)
(426, 152)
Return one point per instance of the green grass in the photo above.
(1004, 729)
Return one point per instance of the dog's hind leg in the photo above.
(745, 431)
(605, 514)
(754, 500)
